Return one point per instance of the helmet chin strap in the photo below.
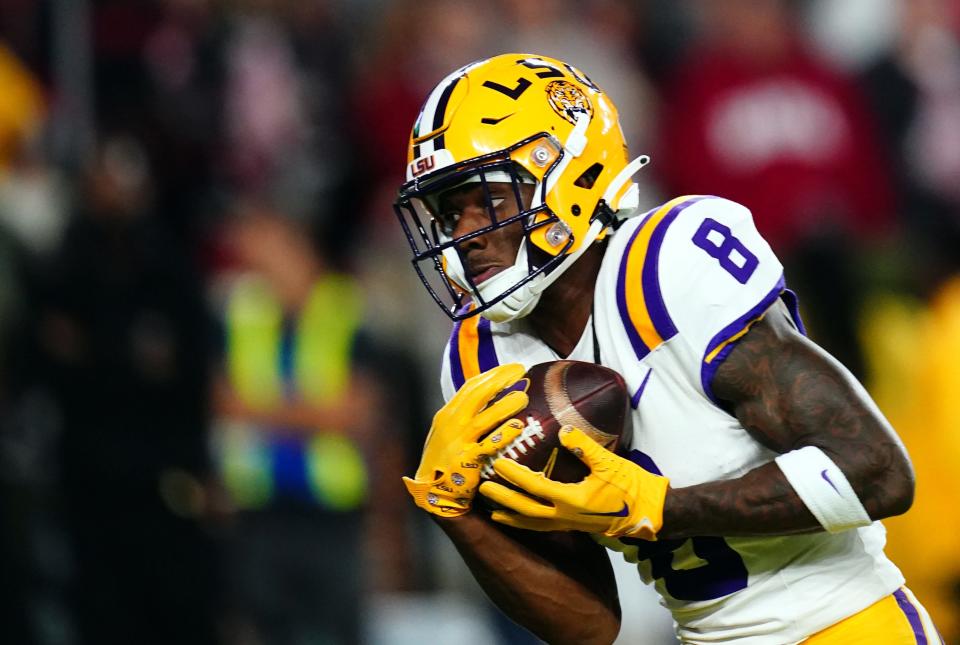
(519, 303)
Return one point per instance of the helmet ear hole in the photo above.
(589, 176)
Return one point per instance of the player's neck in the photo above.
(561, 316)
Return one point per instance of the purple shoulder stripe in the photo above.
(649, 278)
(707, 370)
(652, 295)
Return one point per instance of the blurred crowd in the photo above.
(215, 363)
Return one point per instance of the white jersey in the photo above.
(676, 287)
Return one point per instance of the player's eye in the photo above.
(448, 222)
(496, 201)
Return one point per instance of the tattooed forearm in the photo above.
(759, 503)
(789, 393)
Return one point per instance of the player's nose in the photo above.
(472, 219)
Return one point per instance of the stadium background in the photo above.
(159, 157)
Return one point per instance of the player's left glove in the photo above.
(460, 441)
(618, 498)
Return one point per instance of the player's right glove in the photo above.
(618, 498)
(453, 454)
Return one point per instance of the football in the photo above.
(588, 396)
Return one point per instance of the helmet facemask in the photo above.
(514, 118)
(430, 234)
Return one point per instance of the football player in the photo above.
(759, 467)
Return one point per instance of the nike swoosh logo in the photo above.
(489, 121)
(623, 512)
(826, 477)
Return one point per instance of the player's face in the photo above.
(464, 210)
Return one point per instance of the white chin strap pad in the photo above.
(519, 303)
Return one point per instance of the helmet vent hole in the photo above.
(589, 176)
(575, 209)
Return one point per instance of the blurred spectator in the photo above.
(284, 129)
(754, 117)
(915, 91)
(307, 440)
(21, 105)
(181, 59)
(120, 329)
(387, 90)
(35, 200)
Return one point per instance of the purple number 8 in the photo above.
(723, 251)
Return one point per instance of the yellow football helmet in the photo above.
(523, 119)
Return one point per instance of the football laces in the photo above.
(532, 433)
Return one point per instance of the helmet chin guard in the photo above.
(512, 120)
(518, 303)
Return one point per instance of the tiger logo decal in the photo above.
(568, 100)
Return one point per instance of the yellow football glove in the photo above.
(618, 498)
(449, 471)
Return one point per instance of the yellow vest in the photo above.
(316, 368)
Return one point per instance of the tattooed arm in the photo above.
(789, 393)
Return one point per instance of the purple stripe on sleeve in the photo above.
(635, 399)
(912, 615)
(707, 370)
(487, 353)
(793, 306)
(639, 348)
(651, 274)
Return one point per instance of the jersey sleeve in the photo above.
(716, 276)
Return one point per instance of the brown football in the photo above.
(588, 396)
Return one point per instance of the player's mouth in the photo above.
(483, 273)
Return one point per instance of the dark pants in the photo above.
(296, 578)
